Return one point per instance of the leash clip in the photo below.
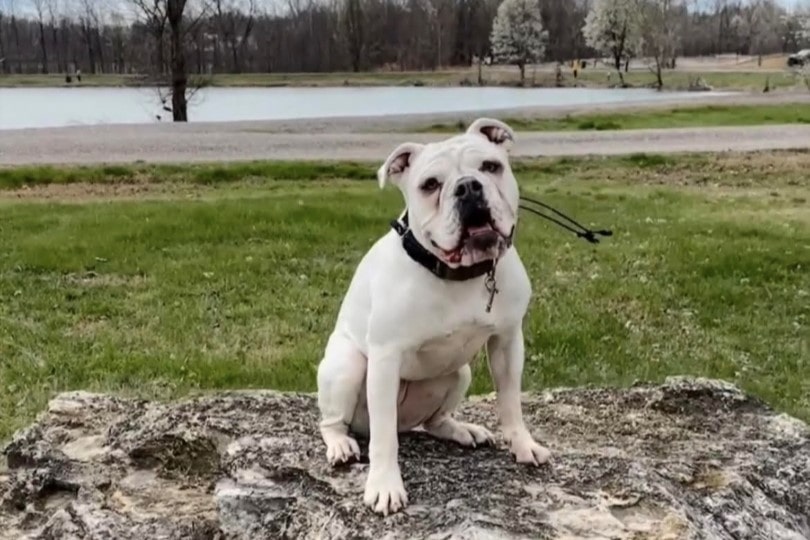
(491, 285)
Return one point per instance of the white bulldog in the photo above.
(423, 301)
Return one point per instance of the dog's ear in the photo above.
(495, 131)
(397, 163)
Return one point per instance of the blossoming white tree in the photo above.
(517, 35)
(613, 27)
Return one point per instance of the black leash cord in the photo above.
(584, 232)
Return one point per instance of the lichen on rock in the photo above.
(691, 458)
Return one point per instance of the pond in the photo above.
(52, 107)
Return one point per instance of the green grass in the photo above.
(16, 177)
(752, 80)
(696, 116)
(235, 282)
(741, 80)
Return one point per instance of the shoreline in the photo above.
(400, 122)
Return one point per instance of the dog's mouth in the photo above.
(482, 239)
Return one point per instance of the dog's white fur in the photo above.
(399, 356)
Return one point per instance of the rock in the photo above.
(686, 459)
(699, 84)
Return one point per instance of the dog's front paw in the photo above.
(479, 434)
(461, 432)
(526, 450)
(385, 492)
(341, 449)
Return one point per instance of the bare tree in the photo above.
(3, 57)
(179, 76)
(87, 19)
(53, 10)
(182, 19)
(722, 23)
(15, 29)
(235, 22)
(661, 34)
(761, 23)
(153, 16)
(117, 35)
(39, 9)
(354, 27)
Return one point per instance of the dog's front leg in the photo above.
(384, 491)
(505, 353)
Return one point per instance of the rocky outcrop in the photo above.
(687, 459)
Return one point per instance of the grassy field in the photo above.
(685, 116)
(162, 281)
(748, 80)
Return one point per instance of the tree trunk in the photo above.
(215, 61)
(161, 61)
(4, 61)
(480, 70)
(91, 53)
(198, 49)
(43, 47)
(659, 61)
(100, 48)
(237, 68)
(439, 46)
(522, 67)
(15, 28)
(178, 61)
(55, 36)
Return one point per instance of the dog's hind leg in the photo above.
(340, 382)
(443, 426)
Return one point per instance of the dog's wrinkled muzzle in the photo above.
(473, 208)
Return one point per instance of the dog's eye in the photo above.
(430, 185)
(491, 167)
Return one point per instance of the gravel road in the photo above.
(370, 138)
(191, 143)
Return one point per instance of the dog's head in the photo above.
(461, 194)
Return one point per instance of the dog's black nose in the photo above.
(472, 206)
(469, 188)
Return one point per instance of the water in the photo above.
(51, 107)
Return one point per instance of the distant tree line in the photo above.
(240, 36)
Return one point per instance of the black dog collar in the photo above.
(418, 253)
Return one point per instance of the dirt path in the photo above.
(169, 143)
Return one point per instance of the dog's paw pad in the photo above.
(342, 449)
